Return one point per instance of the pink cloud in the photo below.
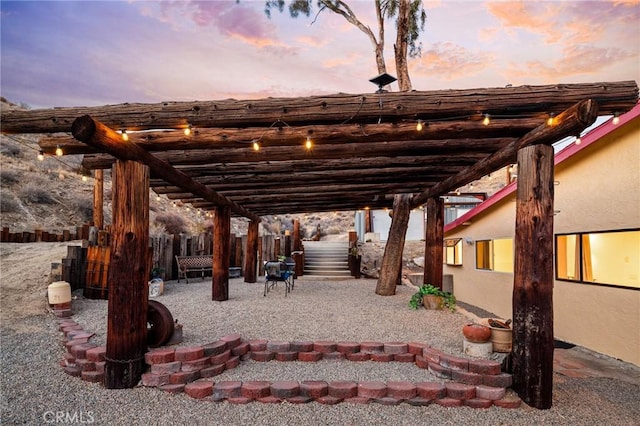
(575, 61)
(449, 61)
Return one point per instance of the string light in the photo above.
(59, 152)
(578, 141)
(157, 197)
(616, 119)
(187, 130)
(308, 144)
(419, 126)
(458, 191)
(256, 146)
(84, 178)
(551, 119)
(487, 119)
(125, 136)
(40, 156)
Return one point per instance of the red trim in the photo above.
(588, 139)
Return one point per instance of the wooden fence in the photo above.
(86, 266)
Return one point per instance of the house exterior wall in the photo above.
(597, 191)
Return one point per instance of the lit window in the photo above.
(453, 251)
(609, 258)
(495, 255)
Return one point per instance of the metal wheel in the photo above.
(159, 324)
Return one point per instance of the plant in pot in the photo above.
(432, 297)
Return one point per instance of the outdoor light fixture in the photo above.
(616, 119)
(40, 156)
(125, 136)
(382, 80)
(551, 119)
(486, 120)
(59, 152)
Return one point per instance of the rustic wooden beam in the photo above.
(221, 254)
(251, 250)
(569, 123)
(318, 152)
(128, 276)
(366, 108)
(433, 251)
(225, 138)
(277, 167)
(533, 278)
(391, 267)
(94, 133)
(98, 199)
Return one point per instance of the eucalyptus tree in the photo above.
(410, 19)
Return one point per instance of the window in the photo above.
(453, 251)
(495, 255)
(608, 258)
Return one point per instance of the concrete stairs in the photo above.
(326, 259)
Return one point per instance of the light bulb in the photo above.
(471, 186)
(578, 141)
(187, 130)
(457, 192)
(616, 119)
(125, 136)
(308, 144)
(550, 120)
(486, 120)
(157, 198)
(419, 126)
(59, 152)
(84, 178)
(40, 156)
(256, 146)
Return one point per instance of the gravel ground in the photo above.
(34, 388)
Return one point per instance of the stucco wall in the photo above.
(598, 189)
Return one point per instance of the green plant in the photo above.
(428, 289)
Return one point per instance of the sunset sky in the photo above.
(67, 53)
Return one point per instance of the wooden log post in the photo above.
(276, 248)
(287, 244)
(98, 198)
(250, 261)
(238, 248)
(434, 240)
(128, 276)
(297, 240)
(221, 235)
(533, 278)
(392, 259)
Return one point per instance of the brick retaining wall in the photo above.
(191, 369)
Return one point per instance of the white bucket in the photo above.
(59, 292)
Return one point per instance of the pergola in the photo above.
(250, 158)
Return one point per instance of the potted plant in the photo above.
(432, 297)
(355, 260)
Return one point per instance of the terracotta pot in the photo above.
(430, 301)
(476, 333)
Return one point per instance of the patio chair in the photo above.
(276, 271)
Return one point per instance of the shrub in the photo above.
(8, 203)
(8, 177)
(36, 194)
(84, 206)
(173, 223)
(11, 149)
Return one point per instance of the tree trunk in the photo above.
(250, 275)
(400, 48)
(98, 199)
(533, 278)
(434, 240)
(392, 258)
(221, 235)
(128, 276)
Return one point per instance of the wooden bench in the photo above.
(188, 264)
